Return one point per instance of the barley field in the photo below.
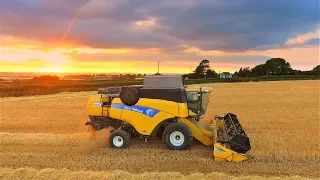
(44, 137)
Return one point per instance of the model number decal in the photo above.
(139, 109)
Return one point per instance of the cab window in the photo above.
(193, 102)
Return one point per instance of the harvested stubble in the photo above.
(45, 174)
(281, 118)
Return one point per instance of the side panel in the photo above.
(143, 123)
(146, 114)
(94, 106)
(114, 113)
(170, 107)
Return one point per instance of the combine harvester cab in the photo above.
(165, 108)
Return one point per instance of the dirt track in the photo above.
(281, 118)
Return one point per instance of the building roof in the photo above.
(225, 73)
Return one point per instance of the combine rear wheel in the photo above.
(119, 139)
(177, 136)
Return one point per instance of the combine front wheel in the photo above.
(119, 139)
(177, 136)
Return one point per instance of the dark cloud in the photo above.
(42, 20)
(210, 25)
(41, 8)
(242, 24)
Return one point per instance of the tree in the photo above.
(316, 70)
(193, 76)
(277, 66)
(259, 70)
(244, 72)
(45, 79)
(203, 67)
(211, 74)
(203, 70)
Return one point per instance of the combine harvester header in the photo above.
(163, 107)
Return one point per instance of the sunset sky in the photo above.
(131, 36)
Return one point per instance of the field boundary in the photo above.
(29, 88)
(49, 173)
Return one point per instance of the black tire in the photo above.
(129, 96)
(119, 139)
(171, 136)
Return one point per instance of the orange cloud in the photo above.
(31, 56)
(149, 23)
(303, 38)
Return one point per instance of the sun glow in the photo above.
(55, 60)
(47, 60)
(52, 69)
(83, 59)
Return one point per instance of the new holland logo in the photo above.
(150, 112)
(139, 109)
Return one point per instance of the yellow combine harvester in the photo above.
(164, 107)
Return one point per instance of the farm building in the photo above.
(225, 75)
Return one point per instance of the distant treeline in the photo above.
(253, 79)
(272, 67)
(27, 88)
